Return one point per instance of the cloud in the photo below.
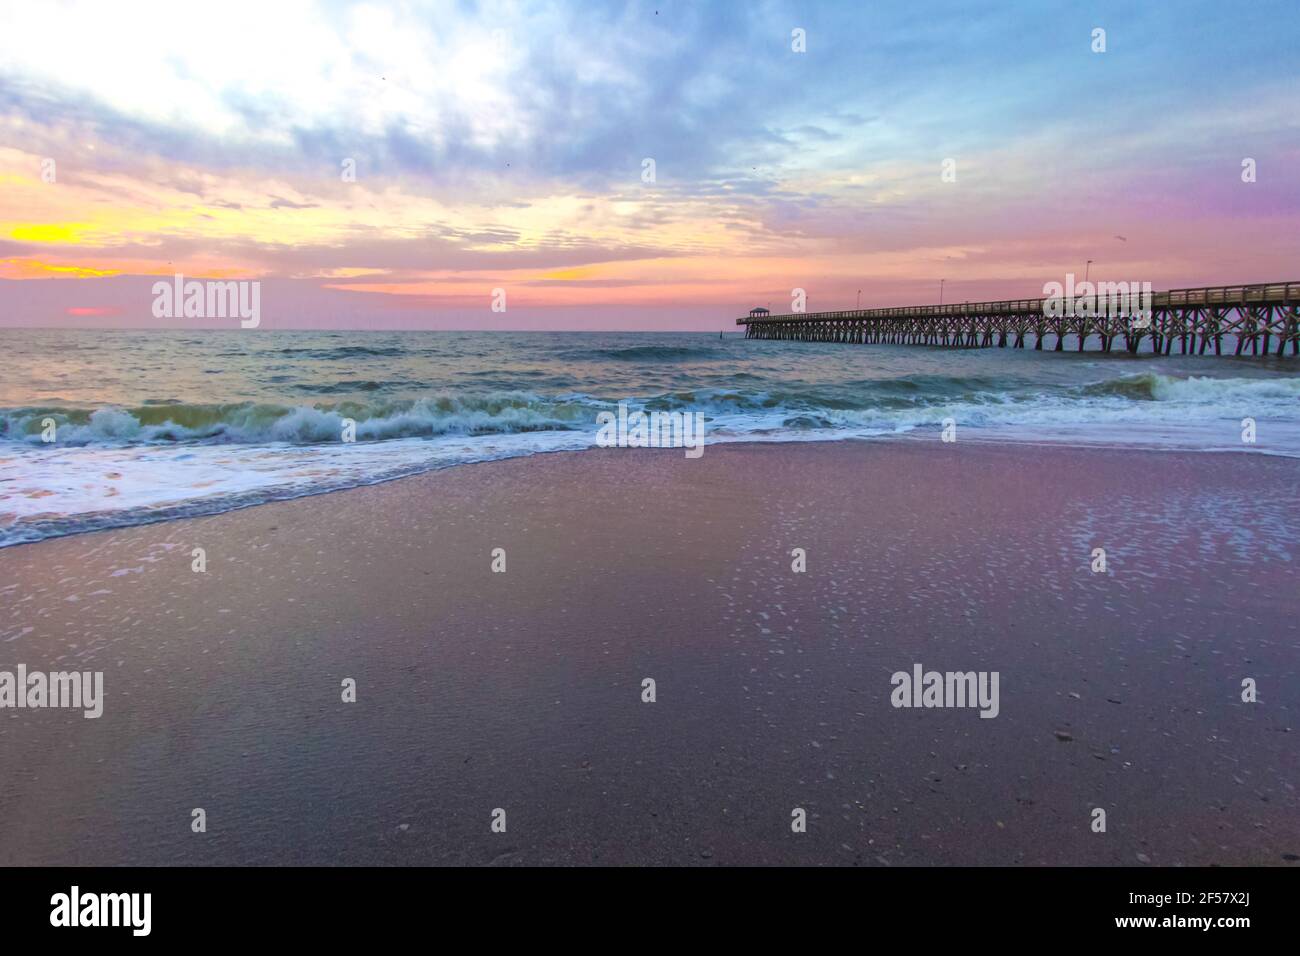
(501, 138)
(278, 203)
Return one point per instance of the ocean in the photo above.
(155, 425)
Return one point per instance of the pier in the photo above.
(1259, 319)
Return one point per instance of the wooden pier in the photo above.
(1252, 319)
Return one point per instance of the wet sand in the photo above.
(522, 691)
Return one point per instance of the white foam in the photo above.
(48, 490)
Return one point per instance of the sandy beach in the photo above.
(523, 690)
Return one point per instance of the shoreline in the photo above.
(992, 437)
(478, 690)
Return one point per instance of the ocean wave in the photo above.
(348, 386)
(261, 423)
(343, 351)
(643, 353)
(1195, 389)
(906, 392)
(891, 404)
(117, 466)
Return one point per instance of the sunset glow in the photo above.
(414, 162)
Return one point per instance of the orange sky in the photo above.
(400, 167)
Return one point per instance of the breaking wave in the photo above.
(260, 423)
(116, 465)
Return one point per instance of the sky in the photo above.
(660, 165)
